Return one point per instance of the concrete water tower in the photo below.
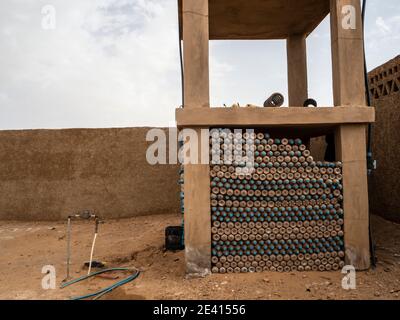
(293, 21)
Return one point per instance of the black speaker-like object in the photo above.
(174, 238)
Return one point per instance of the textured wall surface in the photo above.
(49, 174)
(384, 183)
(318, 148)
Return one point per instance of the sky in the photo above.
(115, 63)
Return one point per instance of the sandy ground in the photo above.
(26, 247)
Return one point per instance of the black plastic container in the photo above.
(174, 238)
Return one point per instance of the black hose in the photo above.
(368, 95)
(182, 242)
(370, 164)
(181, 63)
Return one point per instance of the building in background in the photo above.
(384, 183)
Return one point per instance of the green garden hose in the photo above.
(102, 292)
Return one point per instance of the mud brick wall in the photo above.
(384, 186)
(384, 183)
(49, 174)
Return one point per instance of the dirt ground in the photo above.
(26, 247)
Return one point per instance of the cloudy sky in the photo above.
(115, 63)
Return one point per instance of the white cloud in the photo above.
(115, 63)
(383, 27)
(108, 63)
(382, 37)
